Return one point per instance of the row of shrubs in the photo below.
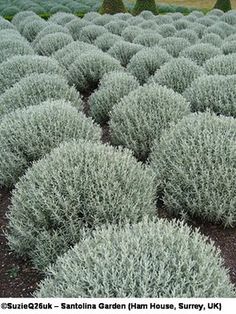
(71, 190)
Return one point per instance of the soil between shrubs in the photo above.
(18, 278)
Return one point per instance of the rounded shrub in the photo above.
(166, 30)
(181, 24)
(147, 15)
(148, 39)
(106, 41)
(215, 12)
(188, 34)
(80, 184)
(222, 65)
(136, 261)
(123, 51)
(28, 134)
(50, 29)
(131, 32)
(68, 54)
(75, 26)
(200, 53)
(135, 20)
(90, 33)
(10, 48)
(112, 88)
(62, 18)
(144, 5)
(214, 92)
(214, 30)
(177, 74)
(4, 24)
(116, 27)
(206, 21)
(36, 88)
(174, 45)
(195, 167)
(199, 29)
(145, 63)
(229, 18)
(90, 16)
(32, 28)
(15, 68)
(211, 38)
(142, 115)
(149, 25)
(226, 28)
(17, 19)
(88, 69)
(102, 20)
(50, 43)
(10, 11)
(229, 47)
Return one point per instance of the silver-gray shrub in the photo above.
(88, 69)
(4, 24)
(166, 30)
(143, 114)
(145, 63)
(181, 24)
(159, 258)
(10, 48)
(148, 39)
(229, 18)
(50, 29)
(229, 47)
(31, 26)
(200, 52)
(75, 26)
(215, 12)
(36, 88)
(113, 87)
(123, 51)
(214, 92)
(199, 29)
(116, 27)
(102, 20)
(214, 29)
(131, 32)
(206, 21)
(106, 41)
(135, 20)
(80, 184)
(68, 54)
(62, 18)
(174, 45)
(188, 34)
(177, 74)
(149, 26)
(212, 39)
(195, 167)
(226, 28)
(19, 17)
(17, 67)
(222, 65)
(90, 16)
(90, 33)
(28, 134)
(50, 43)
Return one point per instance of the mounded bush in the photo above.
(80, 184)
(181, 24)
(19, 17)
(145, 63)
(149, 25)
(50, 43)
(174, 45)
(10, 48)
(15, 68)
(88, 69)
(188, 34)
(32, 28)
(90, 16)
(144, 5)
(28, 134)
(199, 29)
(206, 21)
(200, 53)
(131, 32)
(116, 27)
(222, 65)
(50, 29)
(178, 74)
(142, 115)
(215, 12)
(112, 7)
(4, 24)
(102, 20)
(68, 54)
(214, 30)
(112, 88)
(229, 47)
(75, 26)
(106, 41)
(62, 18)
(135, 20)
(10, 11)
(90, 33)
(123, 51)
(211, 38)
(36, 88)
(214, 92)
(148, 39)
(166, 30)
(147, 15)
(229, 18)
(136, 261)
(195, 167)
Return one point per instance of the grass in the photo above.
(201, 4)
